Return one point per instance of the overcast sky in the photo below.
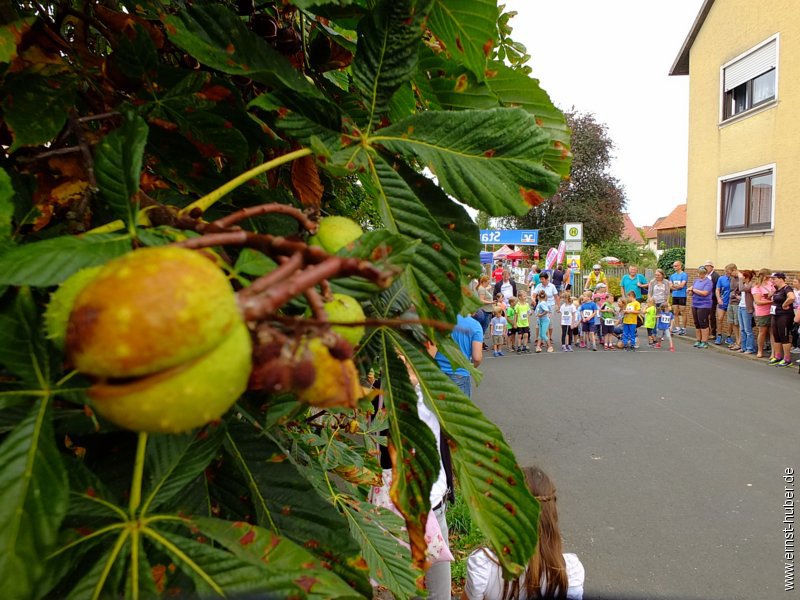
(611, 58)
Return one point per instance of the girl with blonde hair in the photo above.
(550, 573)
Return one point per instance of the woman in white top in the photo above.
(550, 574)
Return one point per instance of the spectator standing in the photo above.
(702, 291)
(486, 297)
(746, 311)
(468, 335)
(762, 300)
(497, 274)
(558, 278)
(659, 288)
(722, 294)
(733, 309)
(633, 282)
(678, 283)
(796, 325)
(782, 312)
(595, 277)
(533, 277)
(506, 286)
(714, 276)
(549, 574)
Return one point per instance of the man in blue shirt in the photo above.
(633, 282)
(468, 335)
(723, 296)
(677, 283)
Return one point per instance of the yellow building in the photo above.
(743, 198)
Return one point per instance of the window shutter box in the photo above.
(751, 66)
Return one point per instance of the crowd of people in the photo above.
(752, 312)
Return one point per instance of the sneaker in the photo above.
(550, 349)
(594, 348)
(795, 350)
(729, 340)
(784, 363)
(569, 348)
(672, 348)
(563, 347)
(697, 344)
(494, 353)
(658, 345)
(703, 345)
(500, 354)
(774, 360)
(633, 348)
(538, 350)
(682, 331)
(718, 340)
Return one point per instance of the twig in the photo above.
(270, 245)
(49, 153)
(97, 117)
(440, 325)
(84, 147)
(287, 268)
(257, 308)
(317, 305)
(264, 209)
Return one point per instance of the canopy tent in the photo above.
(503, 252)
(517, 255)
(611, 260)
(486, 258)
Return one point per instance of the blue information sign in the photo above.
(519, 237)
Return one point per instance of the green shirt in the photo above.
(510, 312)
(522, 314)
(650, 317)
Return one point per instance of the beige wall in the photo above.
(766, 137)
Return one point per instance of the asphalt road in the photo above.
(668, 465)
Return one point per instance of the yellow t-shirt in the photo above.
(631, 313)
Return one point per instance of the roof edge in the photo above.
(681, 64)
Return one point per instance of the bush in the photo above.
(669, 257)
(614, 286)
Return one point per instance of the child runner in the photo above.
(567, 310)
(543, 318)
(511, 317)
(630, 321)
(665, 318)
(498, 325)
(576, 323)
(650, 321)
(523, 325)
(588, 313)
(607, 314)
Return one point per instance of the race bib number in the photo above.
(666, 319)
(772, 309)
(608, 322)
(587, 314)
(566, 319)
(629, 309)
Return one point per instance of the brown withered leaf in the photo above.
(306, 182)
(126, 23)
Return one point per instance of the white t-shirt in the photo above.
(484, 579)
(439, 488)
(550, 291)
(506, 289)
(567, 310)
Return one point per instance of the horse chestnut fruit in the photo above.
(336, 382)
(346, 309)
(61, 303)
(335, 233)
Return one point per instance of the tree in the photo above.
(186, 153)
(591, 194)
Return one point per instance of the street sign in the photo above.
(573, 232)
(574, 262)
(574, 246)
(518, 237)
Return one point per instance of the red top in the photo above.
(498, 274)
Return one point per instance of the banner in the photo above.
(517, 237)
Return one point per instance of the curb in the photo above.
(690, 337)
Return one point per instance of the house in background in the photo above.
(671, 230)
(743, 198)
(650, 235)
(630, 232)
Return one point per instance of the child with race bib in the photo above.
(498, 325)
(542, 313)
(568, 312)
(608, 316)
(630, 321)
(665, 318)
(523, 324)
(588, 313)
(650, 321)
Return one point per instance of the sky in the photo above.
(611, 58)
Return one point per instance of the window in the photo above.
(750, 81)
(747, 203)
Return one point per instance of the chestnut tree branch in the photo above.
(263, 209)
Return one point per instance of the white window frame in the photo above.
(756, 109)
(738, 175)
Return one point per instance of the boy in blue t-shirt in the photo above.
(588, 312)
(664, 326)
(677, 283)
(723, 294)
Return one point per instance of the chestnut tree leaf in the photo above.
(118, 167)
(467, 29)
(6, 209)
(489, 477)
(48, 262)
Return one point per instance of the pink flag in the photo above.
(562, 249)
(550, 260)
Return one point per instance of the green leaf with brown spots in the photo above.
(467, 29)
(487, 471)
